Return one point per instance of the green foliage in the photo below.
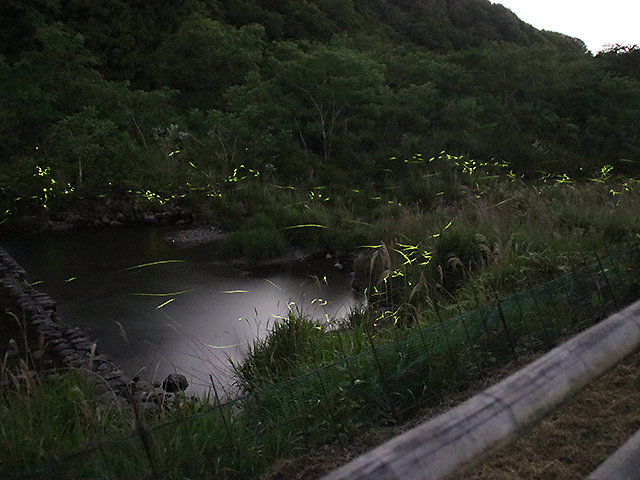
(622, 60)
(258, 240)
(46, 419)
(90, 148)
(457, 253)
(310, 382)
(204, 57)
(322, 124)
(288, 349)
(320, 91)
(334, 95)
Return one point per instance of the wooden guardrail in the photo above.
(454, 442)
(622, 465)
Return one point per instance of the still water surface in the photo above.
(188, 314)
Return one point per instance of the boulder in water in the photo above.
(175, 383)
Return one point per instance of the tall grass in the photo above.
(436, 264)
(44, 419)
(308, 383)
(433, 262)
(416, 201)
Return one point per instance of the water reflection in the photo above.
(177, 310)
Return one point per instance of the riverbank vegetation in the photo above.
(312, 381)
(189, 103)
(447, 153)
(436, 263)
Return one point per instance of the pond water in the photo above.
(157, 309)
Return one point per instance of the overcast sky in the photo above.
(596, 23)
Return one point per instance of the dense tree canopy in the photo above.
(101, 93)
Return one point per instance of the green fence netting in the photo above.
(238, 439)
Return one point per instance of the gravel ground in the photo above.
(194, 236)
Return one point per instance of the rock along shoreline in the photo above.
(70, 346)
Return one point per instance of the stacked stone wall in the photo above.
(70, 345)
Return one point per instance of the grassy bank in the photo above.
(455, 262)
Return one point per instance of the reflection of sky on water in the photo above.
(189, 316)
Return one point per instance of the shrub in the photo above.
(457, 252)
(289, 346)
(256, 245)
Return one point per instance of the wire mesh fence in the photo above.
(388, 383)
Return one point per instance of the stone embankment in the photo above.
(71, 347)
(114, 217)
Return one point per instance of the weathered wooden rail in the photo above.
(454, 442)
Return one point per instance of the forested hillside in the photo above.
(114, 96)
(444, 153)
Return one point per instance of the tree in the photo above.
(93, 147)
(205, 57)
(622, 60)
(45, 85)
(334, 97)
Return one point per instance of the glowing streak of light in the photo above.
(150, 264)
(269, 281)
(160, 294)
(165, 303)
(303, 226)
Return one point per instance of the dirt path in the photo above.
(568, 445)
(577, 437)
